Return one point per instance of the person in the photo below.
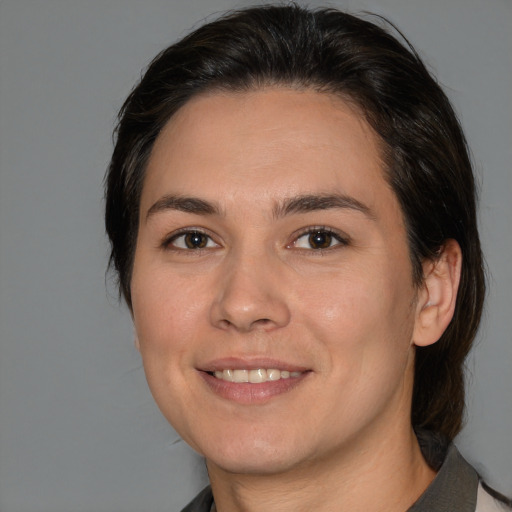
(292, 215)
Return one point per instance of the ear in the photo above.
(136, 340)
(438, 294)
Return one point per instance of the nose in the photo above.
(250, 296)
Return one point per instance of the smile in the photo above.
(255, 376)
(252, 383)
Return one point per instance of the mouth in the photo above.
(254, 376)
(252, 382)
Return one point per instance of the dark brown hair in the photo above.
(425, 152)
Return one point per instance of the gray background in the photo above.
(78, 427)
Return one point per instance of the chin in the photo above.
(257, 456)
(253, 464)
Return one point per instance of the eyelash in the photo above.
(342, 240)
(167, 243)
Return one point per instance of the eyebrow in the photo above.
(293, 205)
(183, 204)
(314, 202)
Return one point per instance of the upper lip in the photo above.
(236, 363)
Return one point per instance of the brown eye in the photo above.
(195, 240)
(191, 240)
(320, 240)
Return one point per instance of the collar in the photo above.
(455, 487)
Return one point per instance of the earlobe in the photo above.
(438, 295)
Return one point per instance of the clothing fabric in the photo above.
(456, 487)
(202, 502)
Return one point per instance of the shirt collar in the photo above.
(455, 487)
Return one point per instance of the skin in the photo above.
(260, 294)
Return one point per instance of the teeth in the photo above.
(273, 374)
(240, 375)
(227, 375)
(255, 376)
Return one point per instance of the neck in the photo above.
(383, 476)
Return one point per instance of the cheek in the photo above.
(166, 315)
(365, 326)
(358, 298)
(365, 321)
(166, 310)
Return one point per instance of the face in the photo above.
(272, 291)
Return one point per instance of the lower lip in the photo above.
(249, 394)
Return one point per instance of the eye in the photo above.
(319, 239)
(190, 240)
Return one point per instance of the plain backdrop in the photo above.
(78, 428)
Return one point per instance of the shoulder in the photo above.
(457, 486)
(487, 502)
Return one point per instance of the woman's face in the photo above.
(271, 249)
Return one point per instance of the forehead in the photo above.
(265, 145)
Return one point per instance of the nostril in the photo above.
(260, 322)
(224, 324)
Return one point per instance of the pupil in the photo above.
(195, 240)
(320, 240)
